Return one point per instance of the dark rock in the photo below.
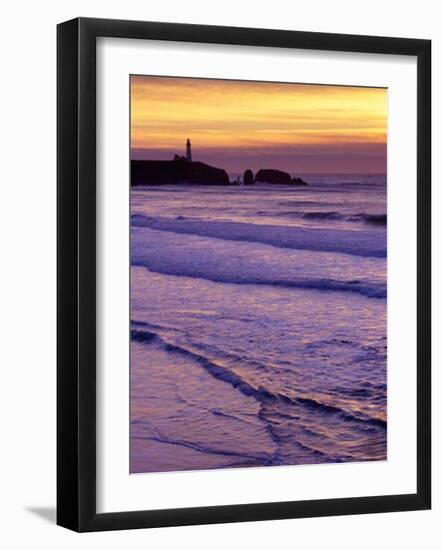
(299, 181)
(160, 172)
(248, 177)
(273, 176)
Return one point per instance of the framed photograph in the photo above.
(243, 274)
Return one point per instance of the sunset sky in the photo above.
(238, 125)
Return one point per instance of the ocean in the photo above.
(258, 324)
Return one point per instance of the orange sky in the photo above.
(238, 125)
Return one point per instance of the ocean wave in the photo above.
(246, 263)
(260, 393)
(370, 290)
(256, 458)
(358, 243)
(370, 184)
(375, 219)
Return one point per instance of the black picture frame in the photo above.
(77, 287)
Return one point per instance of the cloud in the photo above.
(234, 120)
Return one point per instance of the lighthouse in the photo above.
(188, 151)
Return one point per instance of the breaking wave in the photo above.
(374, 219)
(260, 393)
(358, 243)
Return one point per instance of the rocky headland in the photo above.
(183, 170)
(160, 172)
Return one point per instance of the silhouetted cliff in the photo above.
(158, 172)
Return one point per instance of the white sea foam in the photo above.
(243, 262)
(359, 243)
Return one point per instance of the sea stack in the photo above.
(248, 177)
(298, 181)
(278, 177)
(272, 176)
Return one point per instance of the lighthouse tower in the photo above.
(188, 151)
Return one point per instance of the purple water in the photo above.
(258, 324)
